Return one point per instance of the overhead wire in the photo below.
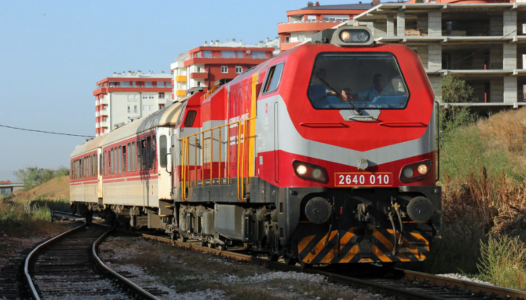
(42, 131)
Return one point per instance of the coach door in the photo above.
(165, 168)
(99, 173)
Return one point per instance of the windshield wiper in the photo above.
(340, 97)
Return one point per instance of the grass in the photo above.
(483, 171)
(504, 262)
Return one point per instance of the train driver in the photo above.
(378, 89)
(317, 89)
(347, 94)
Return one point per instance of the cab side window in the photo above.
(273, 78)
(190, 118)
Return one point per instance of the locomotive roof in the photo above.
(165, 117)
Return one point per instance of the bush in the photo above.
(455, 91)
(503, 262)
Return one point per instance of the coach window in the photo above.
(124, 159)
(153, 149)
(101, 165)
(190, 118)
(128, 157)
(148, 153)
(133, 156)
(162, 150)
(112, 169)
(144, 159)
(119, 159)
(273, 78)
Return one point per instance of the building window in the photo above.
(168, 84)
(151, 97)
(148, 84)
(311, 18)
(239, 54)
(125, 84)
(239, 69)
(130, 98)
(129, 109)
(161, 95)
(259, 54)
(336, 18)
(227, 54)
(145, 107)
(224, 69)
(135, 108)
(136, 98)
(151, 108)
(161, 106)
(134, 84)
(207, 54)
(144, 97)
(160, 83)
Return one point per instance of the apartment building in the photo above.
(201, 67)
(303, 23)
(128, 96)
(483, 43)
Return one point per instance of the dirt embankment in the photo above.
(55, 189)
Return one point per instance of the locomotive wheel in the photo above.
(305, 266)
(290, 261)
(273, 257)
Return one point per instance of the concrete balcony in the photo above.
(104, 124)
(180, 78)
(97, 114)
(180, 93)
(300, 26)
(199, 75)
(104, 101)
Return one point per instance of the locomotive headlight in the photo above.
(408, 172)
(416, 171)
(301, 169)
(309, 171)
(317, 173)
(422, 169)
(345, 36)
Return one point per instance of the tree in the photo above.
(34, 176)
(455, 91)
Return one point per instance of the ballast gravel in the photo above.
(198, 276)
(465, 278)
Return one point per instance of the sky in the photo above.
(53, 53)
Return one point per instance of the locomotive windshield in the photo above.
(367, 81)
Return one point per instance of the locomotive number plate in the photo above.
(349, 179)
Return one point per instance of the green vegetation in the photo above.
(503, 262)
(483, 168)
(34, 176)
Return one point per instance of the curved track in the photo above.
(67, 266)
(402, 283)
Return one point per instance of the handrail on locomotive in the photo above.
(240, 167)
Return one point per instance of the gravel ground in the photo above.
(462, 277)
(186, 274)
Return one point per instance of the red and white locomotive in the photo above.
(322, 154)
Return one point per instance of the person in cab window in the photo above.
(347, 94)
(378, 89)
(317, 89)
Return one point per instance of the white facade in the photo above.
(129, 96)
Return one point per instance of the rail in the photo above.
(32, 255)
(241, 157)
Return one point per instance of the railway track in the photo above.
(68, 266)
(402, 283)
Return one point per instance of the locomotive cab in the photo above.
(360, 146)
